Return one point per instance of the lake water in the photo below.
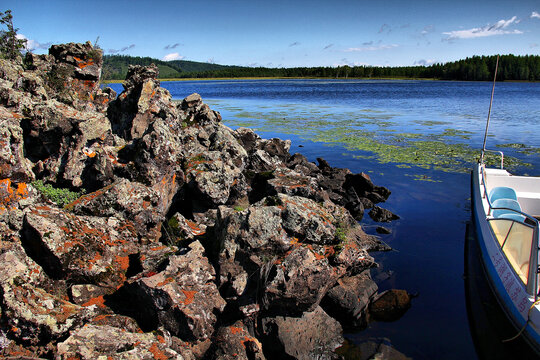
(419, 139)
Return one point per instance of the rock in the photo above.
(294, 184)
(139, 204)
(74, 75)
(390, 305)
(312, 222)
(95, 342)
(275, 148)
(183, 298)
(383, 230)
(79, 249)
(235, 342)
(378, 349)
(347, 301)
(382, 215)
(34, 315)
(298, 282)
(247, 138)
(314, 335)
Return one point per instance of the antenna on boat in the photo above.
(489, 111)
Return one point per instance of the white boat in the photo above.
(505, 210)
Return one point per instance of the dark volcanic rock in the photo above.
(382, 215)
(183, 298)
(347, 301)
(390, 305)
(314, 335)
(192, 240)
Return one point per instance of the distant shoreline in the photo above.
(314, 78)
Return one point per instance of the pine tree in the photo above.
(10, 45)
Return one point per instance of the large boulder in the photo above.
(95, 342)
(182, 298)
(79, 249)
(314, 335)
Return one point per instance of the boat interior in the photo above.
(512, 207)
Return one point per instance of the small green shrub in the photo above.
(59, 196)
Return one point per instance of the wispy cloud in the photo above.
(173, 56)
(123, 49)
(372, 48)
(535, 15)
(424, 62)
(296, 43)
(384, 28)
(171, 46)
(211, 61)
(427, 30)
(32, 45)
(499, 28)
(328, 46)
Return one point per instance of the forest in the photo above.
(476, 68)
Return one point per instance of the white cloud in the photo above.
(535, 15)
(371, 48)
(173, 56)
(424, 62)
(499, 28)
(32, 45)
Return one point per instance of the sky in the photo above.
(288, 33)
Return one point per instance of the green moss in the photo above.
(59, 196)
(238, 208)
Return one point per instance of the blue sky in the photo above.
(286, 33)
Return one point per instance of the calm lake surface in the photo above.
(419, 139)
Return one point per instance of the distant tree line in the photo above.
(476, 68)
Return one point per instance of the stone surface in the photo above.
(390, 305)
(314, 335)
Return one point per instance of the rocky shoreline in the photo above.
(192, 241)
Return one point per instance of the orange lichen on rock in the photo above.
(157, 353)
(99, 301)
(123, 261)
(10, 195)
(190, 295)
(236, 330)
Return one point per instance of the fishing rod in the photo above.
(489, 111)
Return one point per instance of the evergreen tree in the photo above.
(10, 45)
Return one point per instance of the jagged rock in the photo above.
(313, 222)
(13, 164)
(275, 148)
(34, 315)
(133, 201)
(380, 349)
(141, 103)
(383, 230)
(300, 164)
(64, 140)
(81, 249)
(298, 282)
(390, 305)
(183, 298)
(382, 215)
(292, 183)
(314, 335)
(244, 239)
(347, 301)
(364, 187)
(235, 342)
(95, 342)
(74, 76)
(247, 138)
(180, 229)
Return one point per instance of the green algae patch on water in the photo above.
(377, 134)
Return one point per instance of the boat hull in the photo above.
(503, 281)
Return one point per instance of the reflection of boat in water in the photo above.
(505, 209)
(490, 328)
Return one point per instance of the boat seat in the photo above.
(502, 192)
(503, 208)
